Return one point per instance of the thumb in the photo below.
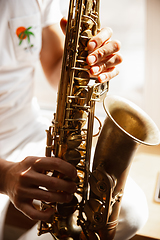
(63, 24)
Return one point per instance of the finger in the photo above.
(96, 41)
(50, 183)
(35, 214)
(44, 195)
(110, 62)
(53, 163)
(108, 75)
(63, 24)
(108, 49)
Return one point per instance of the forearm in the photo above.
(51, 53)
(54, 76)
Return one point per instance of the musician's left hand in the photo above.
(103, 57)
(103, 54)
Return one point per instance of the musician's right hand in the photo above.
(25, 181)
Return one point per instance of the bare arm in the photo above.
(4, 165)
(51, 53)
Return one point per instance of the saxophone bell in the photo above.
(126, 127)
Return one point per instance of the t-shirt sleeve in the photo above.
(51, 12)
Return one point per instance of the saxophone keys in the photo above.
(72, 156)
(74, 140)
(90, 235)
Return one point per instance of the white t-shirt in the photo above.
(18, 57)
(21, 129)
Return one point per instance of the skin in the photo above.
(22, 181)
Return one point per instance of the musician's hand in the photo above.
(103, 56)
(26, 181)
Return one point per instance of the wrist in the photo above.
(4, 167)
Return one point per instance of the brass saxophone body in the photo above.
(93, 212)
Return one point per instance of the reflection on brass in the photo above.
(72, 156)
(94, 210)
(74, 140)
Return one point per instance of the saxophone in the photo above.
(94, 210)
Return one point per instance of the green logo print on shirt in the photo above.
(24, 33)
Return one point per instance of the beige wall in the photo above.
(152, 60)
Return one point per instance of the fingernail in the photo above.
(95, 69)
(91, 59)
(92, 45)
(102, 77)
